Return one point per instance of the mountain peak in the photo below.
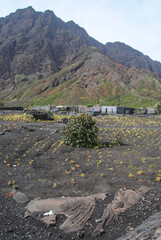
(26, 10)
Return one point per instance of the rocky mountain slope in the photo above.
(91, 78)
(44, 60)
(128, 56)
(39, 44)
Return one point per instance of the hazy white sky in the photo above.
(134, 22)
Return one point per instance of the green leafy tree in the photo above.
(81, 131)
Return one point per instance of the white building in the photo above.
(108, 110)
(150, 111)
(81, 109)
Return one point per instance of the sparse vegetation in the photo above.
(17, 117)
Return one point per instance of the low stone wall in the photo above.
(10, 111)
(11, 108)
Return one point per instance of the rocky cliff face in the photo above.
(39, 44)
(97, 66)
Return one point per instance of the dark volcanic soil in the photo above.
(35, 160)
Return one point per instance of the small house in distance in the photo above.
(150, 111)
(125, 110)
(81, 109)
(108, 110)
(113, 110)
(95, 110)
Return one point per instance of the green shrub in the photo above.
(81, 131)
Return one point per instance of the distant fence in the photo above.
(10, 110)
